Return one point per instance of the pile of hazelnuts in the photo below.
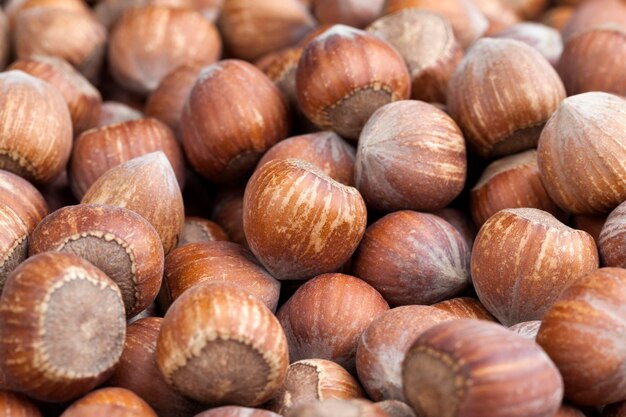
(313, 208)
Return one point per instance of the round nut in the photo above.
(198, 230)
(234, 411)
(115, 396)
(465, 308)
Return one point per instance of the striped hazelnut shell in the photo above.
(612, 240)
(465, 308)
(115, 396)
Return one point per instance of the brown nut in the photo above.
(36, 132)
(594, 13)
(280, 67)
(113, 112)
(312, 380)
(326, 316)
(584, 335)
(384, 343)
(465, 308)
(146, 185)
(5, 40)
(594, 181)
(235, 411)
(118, 241)
(426, 42)
(336, 408)
(527, 329)
(298, 238)
(115, 396)
(612, 240)
(326, 150)
(543, 38)
(501, 95)
(475, 368)
(413, 258)
(98, 150)
(63, 327)
(13, 8)
(103, 410)
(198, 230)
(523, 259)
(195, 263)
(138, 371)
(228, 213)
(355, 13)
(410, 156)
(461, 222)
(16, 405)
(395, 408)
(499, 14)
(511, 182)
(83, 99)
(344, 75)
(233, 115)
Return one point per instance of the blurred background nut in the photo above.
(355, 13)
(198, 229)
(543, 38)
(612, 240)
(12, 404)
(589, 14)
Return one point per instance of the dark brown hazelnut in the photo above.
(197, 229)
(613, 410)
(612, 239)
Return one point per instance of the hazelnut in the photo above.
(344, 75)
(118, 241)
(228, 213)
(613, 410)
(252, 28)
(135, 185)
(546, 40)
(612, 239)
(298, 238)
(149, 42)
(468, 22)
(113, 112)
(592, 14)
(426, 42)
(138, 371)
(594, 122)
(115, 396)
(326, 150)
(477, 368)
(5, 40)
(465, 308)
(583, 66)
(501, 95)
(62, 323)
(410, 155)
(12, 8)
(511, 182)
(197, 229)
(413, 258)
(499, 13)
(584, 335)
(522, 261)
(98, 150)
(234, 411)
(557, 17)
(312, 380)
(355, 13)
(527, 329)
(103, 410)
(335, 408)
(395, 408)
(246, 116)
(280, 67)
(211, 336)
(384, 343)
(36, 133)
(326, 316)
(44, 31)
(187, 266)
(528, 9)
(12, 404)
(461, 222)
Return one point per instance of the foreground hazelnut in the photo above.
(543, 38)
(171, 33)
(612, 240)
(413, 258)
(103, 410)
(312, 380)
(197, 230)
(475, 368)
(12, 404)
(398, 138)
(63, 324)
(233, 115)
(115, 396)
(138, 371)
(344, 75)
(426, 42)
(300, 238)
(522, 261)
(594, 122)
(213, 335)
(355, 13)
(335, 408)
(584, 335)
(501, 95)
(135, 185)
(118, 241)
(465, 308)
(36, 135)
(384, 343)
(234, 411)
(326, 316)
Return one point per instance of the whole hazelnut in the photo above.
(312, 233)
(543, 38)
(197, 229)
(501, 95)
(13, 8)
(148, 42)
(228, 213)
(395, 408)
(465, 308)
(591, 14)
(335, 407)
(146, 185)
(63, 324)
(612, 240)
(384, 343)
(522, 261)
(235, 411)
(246, 116)
(113, 112)
(426, 42)
(98, 150)
(527, 329)
(12, 404)
(477, 368)
(511, 182)
(36, 132)
(214, 334)
(326, 316)
(138, 371)
(413, 258)
(187, 266)
(584, 335)
(312, 380)
(344, 75)
(411, 156)
(326, 150)
(355, 13)
(614, 410)
(118, 241)
(115, 396)
(592, 182)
